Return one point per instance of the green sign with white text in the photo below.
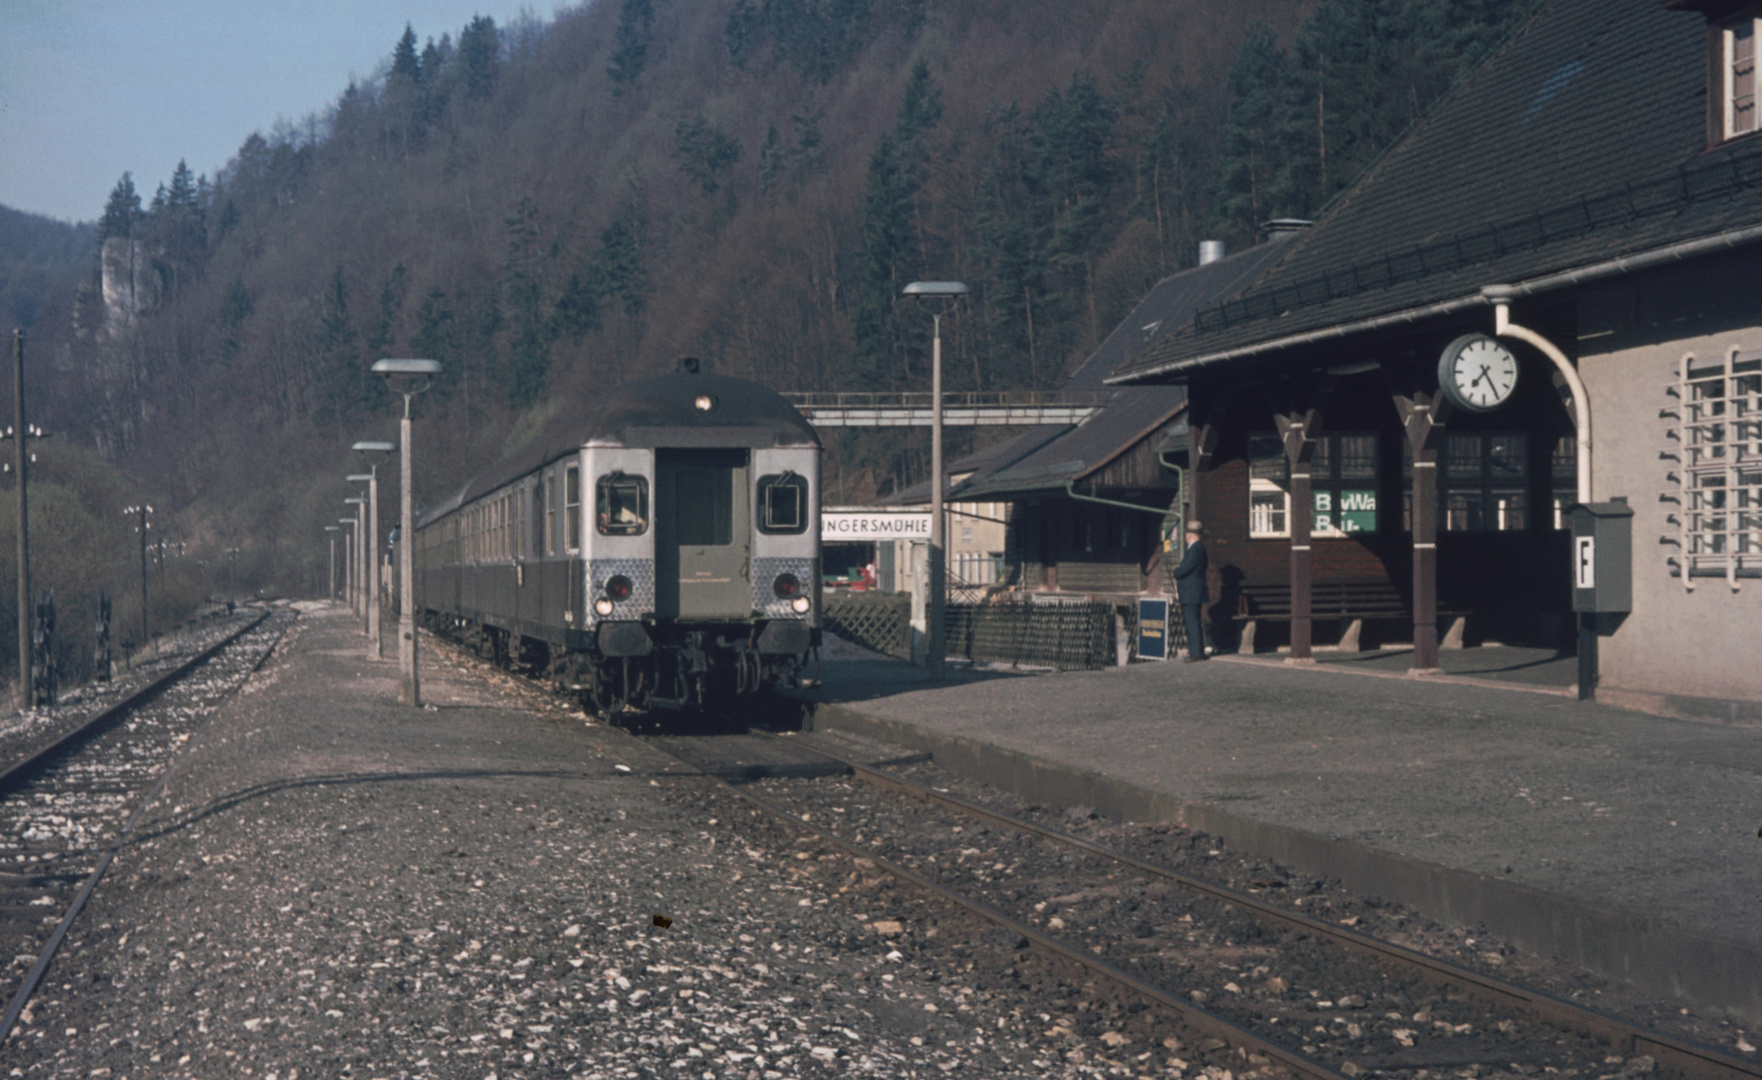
(1357, 512)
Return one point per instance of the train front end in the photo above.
(701, 548)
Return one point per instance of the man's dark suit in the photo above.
(1193, 591)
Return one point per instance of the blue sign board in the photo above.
(1153, 629)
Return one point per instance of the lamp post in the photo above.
(331, 595)
(23, 433)
(365, 544)
(358, 594)
(142, 511)
(374, 450)
(936, 645)
(348, 525)
(409, 378)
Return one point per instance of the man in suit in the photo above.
(1193, 591)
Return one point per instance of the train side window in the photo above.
(572, 507)
(546, 513)
(783, 503)
(622, 505)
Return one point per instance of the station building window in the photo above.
(1713, 459)
(1483, 482)
(1734, 83)
(1343, 482)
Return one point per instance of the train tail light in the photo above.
(618, 588)
(787, 587)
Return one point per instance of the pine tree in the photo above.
(339, 375)
(770, 160)
(122, 211)
(707, 155)
(529, 314)
(406, 65)
(630, 44)
(617, 270)
(1251, 167)
(480, 53)
(898, 171)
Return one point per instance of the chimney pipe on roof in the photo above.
(1210, 251)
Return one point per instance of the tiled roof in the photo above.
(1582, 140)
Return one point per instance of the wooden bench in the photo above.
(1352, 602)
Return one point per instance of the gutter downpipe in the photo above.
(1500, 296)
(1625, 265)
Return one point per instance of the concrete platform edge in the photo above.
(1670, 963)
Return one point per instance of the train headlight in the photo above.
(618, 588)
(602, 606)
(786, 586)
(801, 605)
(704, 403)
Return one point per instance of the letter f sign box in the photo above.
(1602, 557)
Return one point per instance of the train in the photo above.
(660, 551)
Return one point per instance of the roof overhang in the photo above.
(1713, 9)
(1177, 370)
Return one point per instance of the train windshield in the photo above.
(622, 505)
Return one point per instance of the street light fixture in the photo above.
(409, 378)
(936, 646)
(375, 452)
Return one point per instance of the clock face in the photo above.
(1477, 372)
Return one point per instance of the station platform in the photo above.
(1487, 796)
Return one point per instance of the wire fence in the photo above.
(1068, 635)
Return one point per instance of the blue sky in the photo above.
(90, 89)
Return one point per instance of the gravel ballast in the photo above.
(333, 885)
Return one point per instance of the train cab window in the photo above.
(572, 507)
(621, 505)
(783, 503)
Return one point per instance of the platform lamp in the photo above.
(369, 540)
(331, 595)
(349, 571)
(358, 596)
(409, 378)
(375, 452)
(936, 645)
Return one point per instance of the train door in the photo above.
(703, 548)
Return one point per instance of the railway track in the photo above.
(1254, 980)
(1320, 997)
(68, 803)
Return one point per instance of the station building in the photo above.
(1545, 295)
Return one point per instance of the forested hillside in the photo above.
(551, 207)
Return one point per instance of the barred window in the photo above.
(1713, 453)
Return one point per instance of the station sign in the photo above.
(1153, 628)
(859, 526)
(1357, 512)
